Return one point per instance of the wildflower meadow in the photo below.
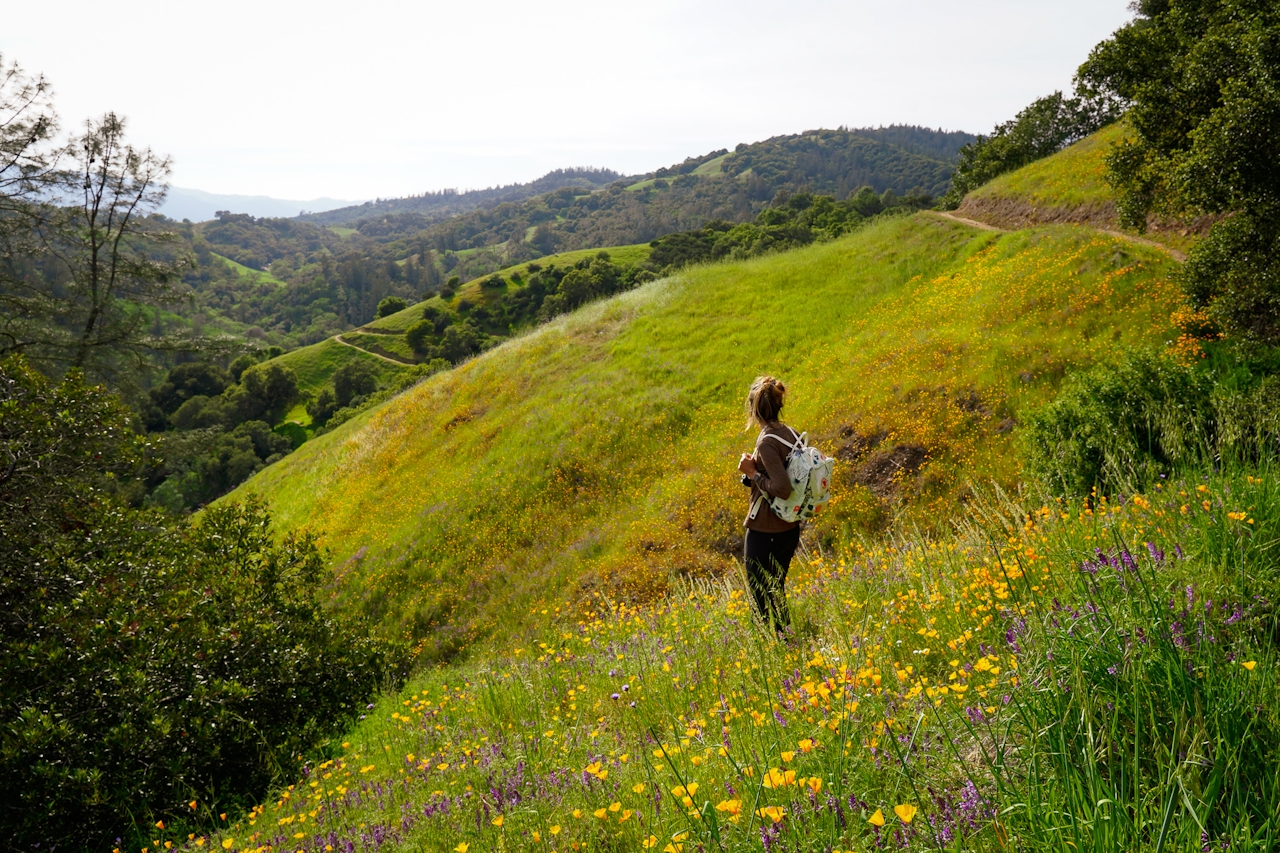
(1095, 675)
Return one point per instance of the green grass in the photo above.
(315, 365)
(343, 232)
(249, 272)
(597, 452)
(393, 345)
(712, 167)
(1073, 177)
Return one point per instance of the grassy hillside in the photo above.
(1074, 177)
(992, 674)
(597, 452)
(1070, 187)
(315, 366)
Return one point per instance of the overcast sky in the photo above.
(382, 98)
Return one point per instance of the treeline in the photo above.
(798, 221)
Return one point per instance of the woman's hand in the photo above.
(747, 465)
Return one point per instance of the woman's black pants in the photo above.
(768, 556)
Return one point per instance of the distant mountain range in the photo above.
(200, 206)
(438, 205)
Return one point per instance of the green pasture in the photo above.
(712, 167)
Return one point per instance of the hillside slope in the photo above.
(597, 452)
(1070, 187)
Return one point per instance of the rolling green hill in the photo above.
(597, 451)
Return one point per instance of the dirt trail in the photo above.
(395, 361)
(972, 223)
(1132, 238)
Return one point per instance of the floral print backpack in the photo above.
(810, 472)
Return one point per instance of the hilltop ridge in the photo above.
(448, 202)
(835, 162)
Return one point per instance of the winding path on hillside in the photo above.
(394, 361)
(1132, 238)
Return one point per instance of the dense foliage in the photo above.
(1133, 421)
(212, 428)
(1203, 83)
(148, 668)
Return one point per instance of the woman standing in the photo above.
(770, 541)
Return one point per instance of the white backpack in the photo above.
(810, 472)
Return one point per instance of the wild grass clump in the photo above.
(1067, 677)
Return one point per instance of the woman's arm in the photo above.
(772, 479)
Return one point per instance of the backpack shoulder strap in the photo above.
(789, 445)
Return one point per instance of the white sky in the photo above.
(386, 98)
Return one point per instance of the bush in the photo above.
(147, 663)
(1125, 424)
(391, 305)
(418, 334)
(322, 407)
(266, 392)
(356, 378)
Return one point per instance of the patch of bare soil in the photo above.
(882, 471)
(1013, 213)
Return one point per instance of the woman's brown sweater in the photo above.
(771, 478)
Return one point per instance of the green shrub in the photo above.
(322, 407)
(418, 334)
(144, 662)
(391, 305)
(354, 379)
(1124, 424)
